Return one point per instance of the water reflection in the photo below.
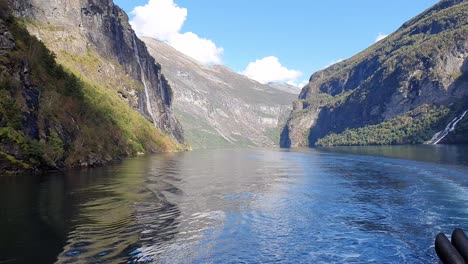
(444, 154)
(224, 206)
(208, 187)
(125, 208)
(25, 220)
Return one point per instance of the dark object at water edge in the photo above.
(455, 252)
(460, 242)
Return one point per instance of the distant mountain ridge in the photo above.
(218, 107)
(401, 90)
(285, 87)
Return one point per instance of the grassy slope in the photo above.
(79, 121)
(410, 128)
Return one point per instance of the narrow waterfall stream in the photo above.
(143, 80)
(450, 127)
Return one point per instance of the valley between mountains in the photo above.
(79, 88)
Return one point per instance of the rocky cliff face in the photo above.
(76, 113)
(218, 107)
(419, 73)
(94, 38)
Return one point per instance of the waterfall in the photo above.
(450, 127)
(143, 80)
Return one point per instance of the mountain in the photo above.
(285, 87)
(80, 92)
(219, 107)
(95, 40)
(401, 90)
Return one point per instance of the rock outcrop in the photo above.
(99, 30)
(219, 107)
(79, 112)
(400, 90)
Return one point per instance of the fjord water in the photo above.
(342, 205)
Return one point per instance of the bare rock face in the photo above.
(219, 107)
(7, 42)
(83, 27)
(424, 63)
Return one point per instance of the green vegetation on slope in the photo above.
(50, 118)
(412, 128)
(418, 64)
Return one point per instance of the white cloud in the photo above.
(269, 69)
(159, 19)
(201, 49)
(380, 37)
(163, 20)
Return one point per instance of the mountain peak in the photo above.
(219, 107)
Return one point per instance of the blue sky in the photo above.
(279, 39)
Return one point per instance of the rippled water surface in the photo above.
(373, 205)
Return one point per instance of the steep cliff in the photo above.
(400, 90)
(93, 39)
(218, 107)
(51, 118)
